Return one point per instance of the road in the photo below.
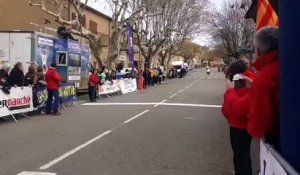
(173, 129)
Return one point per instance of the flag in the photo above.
(130, 44)
(266, 15)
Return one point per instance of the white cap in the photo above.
(5, 66)
(237, 77)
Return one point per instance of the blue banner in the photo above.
(130, 44)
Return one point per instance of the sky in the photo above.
(104, 7)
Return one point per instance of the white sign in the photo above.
(128, 85)
(18, 101)
(109, 87)
(45, 41)
(74, 78)
(268, 164)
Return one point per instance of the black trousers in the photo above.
(241, 142)
(92, 93)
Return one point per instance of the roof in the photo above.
(98, 12)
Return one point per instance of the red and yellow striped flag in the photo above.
(266, 16)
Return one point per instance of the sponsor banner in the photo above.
(18, 101)
(109, 87)
(268, 163)
(130, 44)
(128, 85)
(67, 94)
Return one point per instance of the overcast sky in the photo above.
(105, 8)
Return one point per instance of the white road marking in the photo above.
(119, 104)
(191, 105)
(160, 103)
(35, 173)
(180, 91)
(172, 95)
(69, 153)
(135, 117)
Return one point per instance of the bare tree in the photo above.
(229, 27)
(78, 28)
(163, 34)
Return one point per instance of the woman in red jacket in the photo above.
(93, 84)
(236, 114)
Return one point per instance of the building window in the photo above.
(93, 27)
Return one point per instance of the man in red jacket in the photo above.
(93, 84)
(263, 117)
(53, 79)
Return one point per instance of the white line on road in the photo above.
(191, 105)
(35, 173)
(180, 91)
(119, 104)
(160, 103)
(135, 117)
(172, 96)
(69, 153)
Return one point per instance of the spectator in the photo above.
(4, 72)
(16, 77)
(164, 74)
(93, 84)
(127, 74)
(236, 114)
(263, 118)
(249, 72)
(134, 73)
(160, 75)
(146, 75)
(53, 79)
(30, 75)
(152, 75)
(40, 77)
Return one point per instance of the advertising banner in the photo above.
(128, 85)
(109, 88)
(44, 51)
(130, 44)
(85, 66)
(18, 101)
(268, 164)
(67, 94)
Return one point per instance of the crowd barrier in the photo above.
(272, 163)
(21, 100)
(18, 101)
(122, 86)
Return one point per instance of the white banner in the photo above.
(128, 85)
(109, 87)
(268, 164)
(18, 101)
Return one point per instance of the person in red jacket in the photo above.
(93, 84)
(236, 115)
(52, 79)
(249, 72)
(263, 117)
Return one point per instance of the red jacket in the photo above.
(52, 79)
(263, 117)
(250, 74)
(234, 109)
(93, 80)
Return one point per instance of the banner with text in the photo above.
(128, 85)
(109, 87)
(18, 101)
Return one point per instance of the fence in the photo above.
(21, 100)
(272, 163)
(123, 86)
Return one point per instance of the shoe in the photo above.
(49, 113)
(56, 114)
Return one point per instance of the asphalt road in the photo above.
(173, 129)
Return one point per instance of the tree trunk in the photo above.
(95, 45)
(114, 48)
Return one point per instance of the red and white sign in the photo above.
(18, 101)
